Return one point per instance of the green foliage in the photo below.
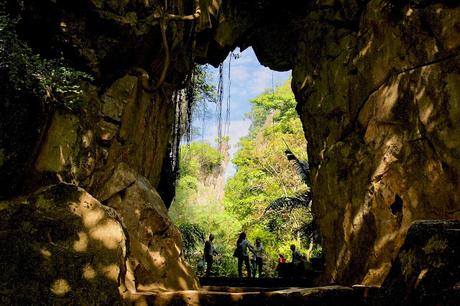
(290, 203)
(275, 112)
(266, 178)
(49, 79)
(192, 236)
(199, 159)
(199, 93)
(203, 88)
(198, 201)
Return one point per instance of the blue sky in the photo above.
(248, 80)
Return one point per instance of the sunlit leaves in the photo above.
(199, 158)
(264, 174)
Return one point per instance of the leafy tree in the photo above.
(192, 236)
(266, 193)
(198, 202)
(199, 159)
(266, 197)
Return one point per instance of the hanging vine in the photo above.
(229, 84)
(176, 134)
(220, 96)
(164, 19)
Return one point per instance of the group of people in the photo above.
(241, 252)
(242, 249)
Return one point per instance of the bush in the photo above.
(192, 236)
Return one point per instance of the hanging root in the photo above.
(191, 17)
(144, 77)
(163, 24)
(167, 54)
(220, 96)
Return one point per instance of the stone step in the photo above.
(258, 282)
(318, 296)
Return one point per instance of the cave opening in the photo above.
(376, 85)
(244, 168)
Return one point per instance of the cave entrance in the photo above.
(243, 167)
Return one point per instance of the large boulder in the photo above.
(60, 246)
(155, 261)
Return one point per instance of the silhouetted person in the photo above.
(298, 261)
(297, 257)
(209, 252)
(242, 246)
(258, 250)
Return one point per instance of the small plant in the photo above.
(49, 79)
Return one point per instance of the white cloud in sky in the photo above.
(239, 74)
(237, 129)
(261, 80)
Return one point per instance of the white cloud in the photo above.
(239, 74)
(237, 129)
(261, 80)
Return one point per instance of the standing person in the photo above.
(242, 246)
(298, 267)
(209, 252)
(297, 257)
(258, 253)
(253, 261)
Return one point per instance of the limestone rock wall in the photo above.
(127, 113)
(426, 270)
(113, 148)
(378, 95)
(61, 246)
(377, 85)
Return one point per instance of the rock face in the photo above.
(154, 261)
(379, 103)
(114, 148)
(61, 246)
(426, 269)
(378, 88)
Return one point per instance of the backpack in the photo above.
(238, 251)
